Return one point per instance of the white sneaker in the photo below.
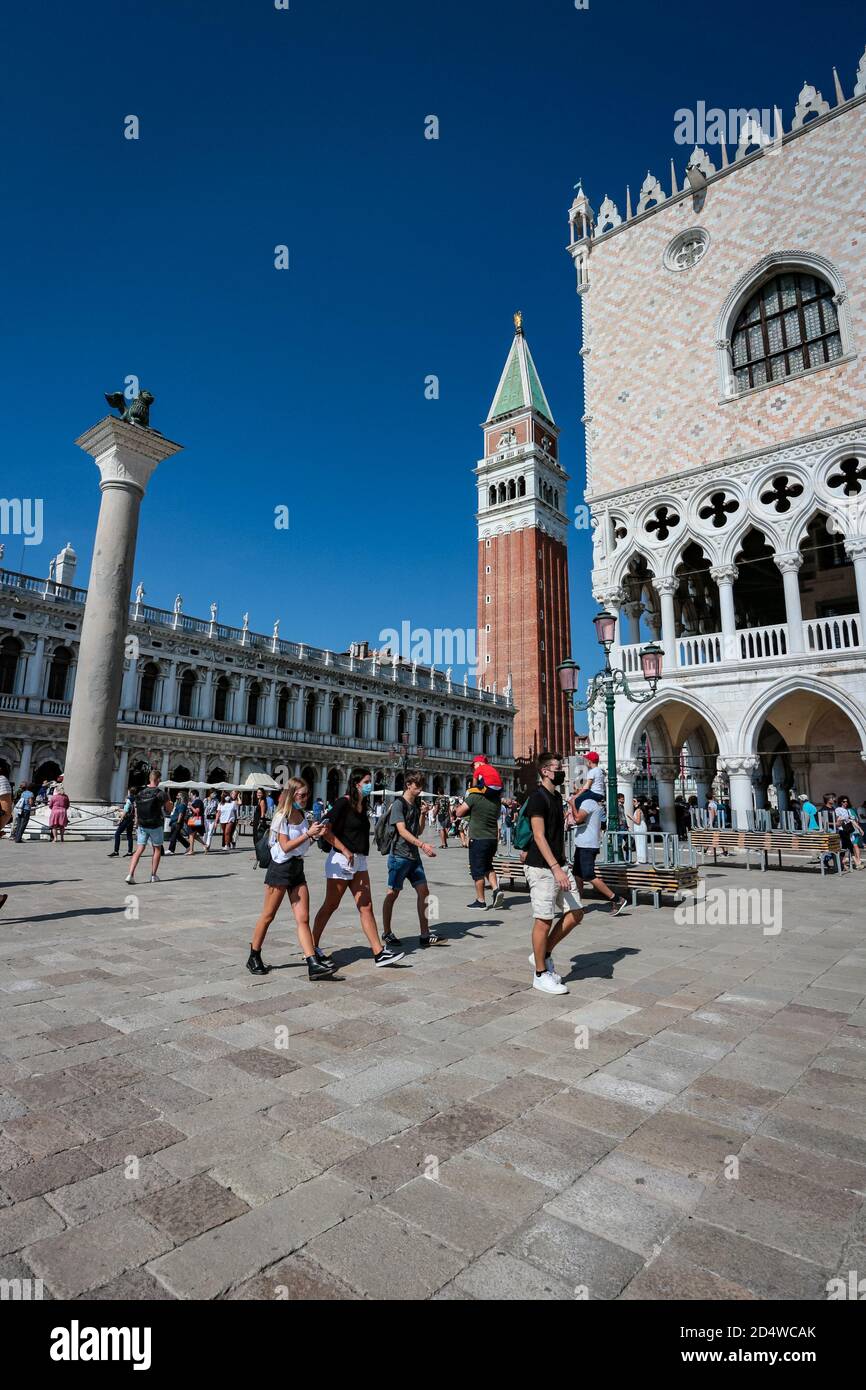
(154, 879)
(548, 965)
(549, 984)
(129, 879)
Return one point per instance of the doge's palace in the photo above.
(724, 326)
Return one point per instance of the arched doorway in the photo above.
(217, 774)
(47, 771)
(333, 784)
(674, 744)
(138, 773)
(820, 734)
(180, 773)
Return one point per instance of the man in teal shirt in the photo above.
(809, 811)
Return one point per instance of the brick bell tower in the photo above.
(524, 625)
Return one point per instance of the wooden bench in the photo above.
(625, 878)
(801, 843)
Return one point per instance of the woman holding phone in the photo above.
(347, 831)
(290, 839)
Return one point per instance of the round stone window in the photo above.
(686, 249)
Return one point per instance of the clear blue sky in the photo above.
(408, 257)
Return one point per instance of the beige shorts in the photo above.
(548, 899)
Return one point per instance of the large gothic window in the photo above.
(789, 325)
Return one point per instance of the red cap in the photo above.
(591, 758)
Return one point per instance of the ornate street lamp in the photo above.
(609, 683)
(402, 752)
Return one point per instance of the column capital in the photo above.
(663, 770)
(724, 574)
(126, 455)
(788, 561)
(855, 547)
(613, 598)
(627, 770)
(666, 584)
(739, 766)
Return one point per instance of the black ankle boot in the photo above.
(255, 965)
(318, 969)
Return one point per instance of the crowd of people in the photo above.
(556, 834)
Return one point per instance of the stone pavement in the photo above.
(172, 1127)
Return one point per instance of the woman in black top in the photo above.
(347, 831)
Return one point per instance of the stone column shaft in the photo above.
(126, 456)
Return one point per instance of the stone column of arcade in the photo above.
(126, 455)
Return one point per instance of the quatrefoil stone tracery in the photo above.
(718, 509)
(663, 520)
(849, 477)
(781, 493)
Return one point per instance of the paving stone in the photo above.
(318, 1148)
(211, 1263)
(371, 1123)
(384, 1258)
(26, 1222)
(259, 1177)
(594, 1112)
(298, 1280)
(789, 1158)
(498, 1275)
(592, 1266)
(447, 1215)
(80, 1201)
(698, 1148)
(765, 1272)
(88, 1256)
(670, 1279)
(299, 1112)
(615, 1212)
(484, 1180)
(44, 1133)
(46, 1092)
(136, 1286)
(375, 1081)
(99, 1116)
(137, 1141)
(188, 1208)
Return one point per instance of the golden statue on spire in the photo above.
(518, 321)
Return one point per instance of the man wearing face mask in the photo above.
(552, 888)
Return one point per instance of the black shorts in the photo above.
(287, 875)
(481, 854)
(584, 863)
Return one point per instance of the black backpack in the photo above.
(149, 808)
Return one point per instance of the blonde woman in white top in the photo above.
(290, 839)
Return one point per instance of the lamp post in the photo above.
(401, 753)
(610, 682)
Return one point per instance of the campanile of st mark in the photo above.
(523, 607)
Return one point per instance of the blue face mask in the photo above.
(366, 788)
(297, 806)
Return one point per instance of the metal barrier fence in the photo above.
(660, 848)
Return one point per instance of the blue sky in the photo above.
(408, 257)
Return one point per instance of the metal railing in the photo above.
(660, 848)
